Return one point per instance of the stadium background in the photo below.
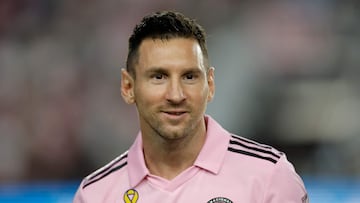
(287, 74)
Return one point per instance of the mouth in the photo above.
(174, 113)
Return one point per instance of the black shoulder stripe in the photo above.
(107, 167)
(254, 148)
(252, 154)
(251, 142)
(104, 175)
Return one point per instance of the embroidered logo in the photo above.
(220, 200)
(131, 196)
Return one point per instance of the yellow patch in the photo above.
(131, 196)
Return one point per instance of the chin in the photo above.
(174, 135)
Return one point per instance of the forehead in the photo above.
(174, 52)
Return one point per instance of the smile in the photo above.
(174, 113)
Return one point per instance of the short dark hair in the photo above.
(164, 25)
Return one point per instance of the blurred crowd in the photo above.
(286, 74)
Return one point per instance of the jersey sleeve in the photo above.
(285, 185)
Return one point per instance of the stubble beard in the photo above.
(171, 133)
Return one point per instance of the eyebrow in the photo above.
(156, 70)
(165, 71)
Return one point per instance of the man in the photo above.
(181, 154)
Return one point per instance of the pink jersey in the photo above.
(228, 169)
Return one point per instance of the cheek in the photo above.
(147, 95)
(200, 94)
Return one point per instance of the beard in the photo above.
(171, 129)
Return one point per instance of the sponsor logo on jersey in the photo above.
(220, 200)
(131, 196)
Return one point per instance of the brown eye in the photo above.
(189, 76)
(158, 76)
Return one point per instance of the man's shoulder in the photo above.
(108, 171)
(254, 152)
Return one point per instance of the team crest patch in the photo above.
(131, 196)
(220, 200)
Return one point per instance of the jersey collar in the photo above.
(210, 157)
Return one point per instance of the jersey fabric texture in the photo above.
(228, 169)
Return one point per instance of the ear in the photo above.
(211, 83)
(127, 87)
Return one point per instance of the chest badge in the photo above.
(220, 200)
(131, 196)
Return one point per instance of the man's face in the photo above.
(172, 88)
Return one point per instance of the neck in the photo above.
(168, 158)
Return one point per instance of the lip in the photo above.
(174, 113)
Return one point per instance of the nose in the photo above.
(175, 93)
